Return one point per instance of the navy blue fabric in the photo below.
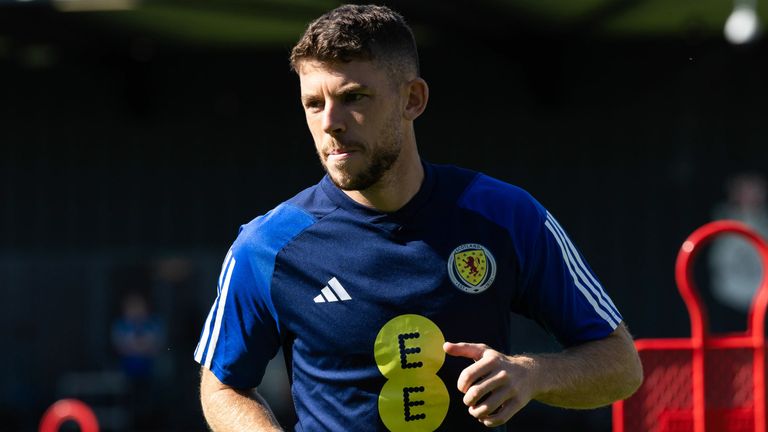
(392, 264)
(544, 283)
(249, 334)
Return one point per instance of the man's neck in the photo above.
(395, 188)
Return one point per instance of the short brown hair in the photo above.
(359, 32)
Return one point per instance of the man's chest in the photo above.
(368, 318)
(335, 293)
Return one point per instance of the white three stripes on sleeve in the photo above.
(582, 277)
(210, 338)
(207, 327)
(206, 332)
(223, 268)
(597, 289)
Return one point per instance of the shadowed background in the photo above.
(134, 142)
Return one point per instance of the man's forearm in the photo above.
(590, 375)
(232, 410)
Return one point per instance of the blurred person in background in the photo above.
(138, 337)
(364, 278)
(734, 264)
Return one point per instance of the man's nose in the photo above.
(333, 119)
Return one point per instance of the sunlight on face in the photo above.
(354, 113)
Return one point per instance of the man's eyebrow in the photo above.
(345, 89)
(305, 98)
(352, 87)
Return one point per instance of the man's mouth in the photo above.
(342, 152)
(340, 156)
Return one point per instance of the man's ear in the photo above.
(416, 99)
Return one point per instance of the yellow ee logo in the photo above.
(409, 352)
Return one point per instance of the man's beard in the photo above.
(381, 160)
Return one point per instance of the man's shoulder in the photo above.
(496, 199)
(478, 188)
(277, 227)
(487, 187)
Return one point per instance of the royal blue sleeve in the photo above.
(242, 331)
(556, 286)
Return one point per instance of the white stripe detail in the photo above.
(595, 286)
(576, 280)
(207, 328)
(223, 268)
(328, 294)
(204, 338)
(319, 299)
(219, 315)
(340, 291)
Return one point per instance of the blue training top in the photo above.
(362, 301)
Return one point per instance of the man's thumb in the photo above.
(463, 349)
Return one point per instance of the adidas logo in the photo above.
(327, 295)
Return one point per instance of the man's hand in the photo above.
(589, 375)
(496, 386)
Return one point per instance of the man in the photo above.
(389, 284)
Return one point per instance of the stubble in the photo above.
(380, 159)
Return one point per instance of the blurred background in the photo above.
(135, 138)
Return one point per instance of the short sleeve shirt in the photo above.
(362, 301)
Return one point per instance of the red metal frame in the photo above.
(703, 347)
(69, 410)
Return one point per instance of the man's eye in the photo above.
(313, 104)
(353, 97)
